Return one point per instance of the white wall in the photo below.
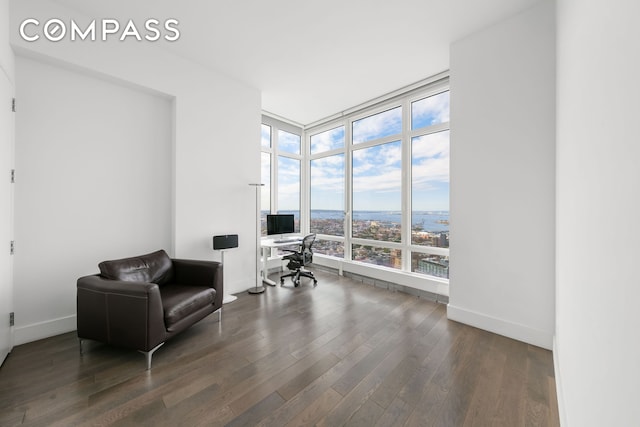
(94, 165)
(216, 140)
(6, 190)
(503, 178)
(6, 54)
(597, 350)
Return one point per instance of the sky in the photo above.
(377, 169)
(327, 140)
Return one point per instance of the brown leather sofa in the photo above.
(141, 302)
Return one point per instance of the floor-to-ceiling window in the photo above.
(265, 177)
(327, 190)
(373, 184)
(281, 170)
(430, 185)
(376, 176)
(379, 186)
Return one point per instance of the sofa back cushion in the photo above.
(155, 267)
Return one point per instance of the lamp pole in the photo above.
(257, 289)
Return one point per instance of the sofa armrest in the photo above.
(200, 273)
(128, 314)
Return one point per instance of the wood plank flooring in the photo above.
(343, 353)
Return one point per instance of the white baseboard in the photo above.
(501, 327)
(49, 328)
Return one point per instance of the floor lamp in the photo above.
(257, 289)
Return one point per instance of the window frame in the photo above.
(275, 152)
(346, 119)
(307, 194)
(405, 137)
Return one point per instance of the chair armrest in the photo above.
(128, 314)
(200, 273)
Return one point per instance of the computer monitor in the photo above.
(280, 224)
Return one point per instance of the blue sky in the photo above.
(328, 140)
(266, 136)
(378, 126)
(430, 111)
(377, 170)
(327, 183)
(288, 142)
(265, 178)
(430, 172)
(377, 177)
(288, 184)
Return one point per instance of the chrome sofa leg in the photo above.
(81, 352)
(149, 354)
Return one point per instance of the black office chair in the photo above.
(298, 260)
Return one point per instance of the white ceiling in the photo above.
(309, 58)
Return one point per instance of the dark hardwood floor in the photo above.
(342, 353)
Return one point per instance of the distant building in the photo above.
(443, 240)
(433, 266)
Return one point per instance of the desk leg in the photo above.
(266, 251)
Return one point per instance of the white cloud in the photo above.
(327, 174)
(378, 168)
(379, 125)
(389, 180)
(265, 170)
(389, 154)
(432, 145)
(266, 135)
(430, 162)
(288, 142)
(434, 109)
(327, 140)
(432, 170)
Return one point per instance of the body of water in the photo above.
(428, 220)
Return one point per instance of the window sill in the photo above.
(387, 277)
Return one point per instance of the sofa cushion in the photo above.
(155, 267)
(179, 301)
